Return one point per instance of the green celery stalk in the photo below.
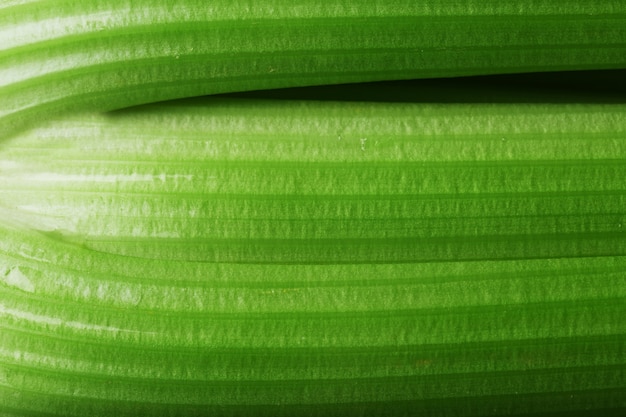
(219, 181)
(103, 55)
(258, 257)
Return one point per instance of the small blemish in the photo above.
(16, 278)
(130, 297)
(363, 142)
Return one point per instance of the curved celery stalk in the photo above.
(242, 257)
(271, 181)
(104, 55)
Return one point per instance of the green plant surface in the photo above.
(266, 257)
(104, 55)
(432, 247)
(282, 181)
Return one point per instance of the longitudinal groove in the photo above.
(506, 355)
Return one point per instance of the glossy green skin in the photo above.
(101, 55)
(242, 257)
(233, 257)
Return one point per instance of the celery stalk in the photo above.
(245, 257)
(105, 55)
(250, 257)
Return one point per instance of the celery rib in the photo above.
(496, 195)
(92, 57)
(326, 276)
